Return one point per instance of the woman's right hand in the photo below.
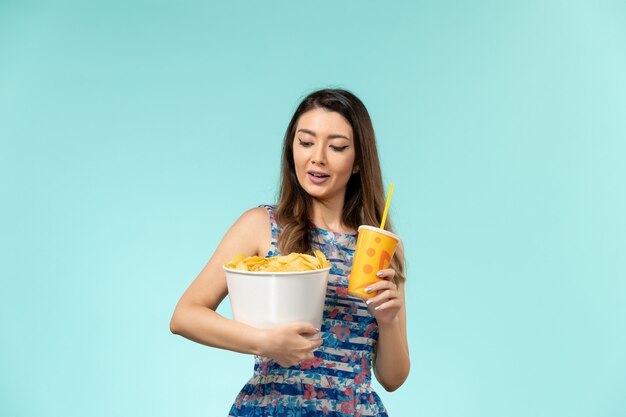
(287, 344)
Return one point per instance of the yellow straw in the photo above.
(382, 223)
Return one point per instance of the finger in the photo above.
(316, 344)
(313, 344)
(305, 328)
(386, 305)
(380, 286)
(380, 298)
(388, 273)
(307, 357)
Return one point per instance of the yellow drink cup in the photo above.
(374, 249)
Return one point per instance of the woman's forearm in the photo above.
(392, 356)
(203, 325)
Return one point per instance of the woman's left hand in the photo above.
(386, 304)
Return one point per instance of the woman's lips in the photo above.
(317, 179)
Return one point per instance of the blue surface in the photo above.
(134, 133)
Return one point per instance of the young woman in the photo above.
(330, 184)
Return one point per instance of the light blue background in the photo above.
(133, 133)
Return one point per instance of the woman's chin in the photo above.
(320, 194)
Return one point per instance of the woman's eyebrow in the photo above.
(333, 136)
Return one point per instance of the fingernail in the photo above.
(368, 290)
(317, 330)
(377, 308)
(379, 273)
(368, 302)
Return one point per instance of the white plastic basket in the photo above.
(269, 299)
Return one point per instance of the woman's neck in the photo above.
(328, 215)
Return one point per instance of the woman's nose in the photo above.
(319, 156)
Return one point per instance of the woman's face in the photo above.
(323, 153)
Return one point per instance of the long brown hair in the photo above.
(365, 195)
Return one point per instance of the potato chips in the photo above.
(294, 262)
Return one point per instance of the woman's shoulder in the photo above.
(258, 219)
(252, 231)
(256, 216)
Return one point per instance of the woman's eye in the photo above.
(338, 148)
(305, 143)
